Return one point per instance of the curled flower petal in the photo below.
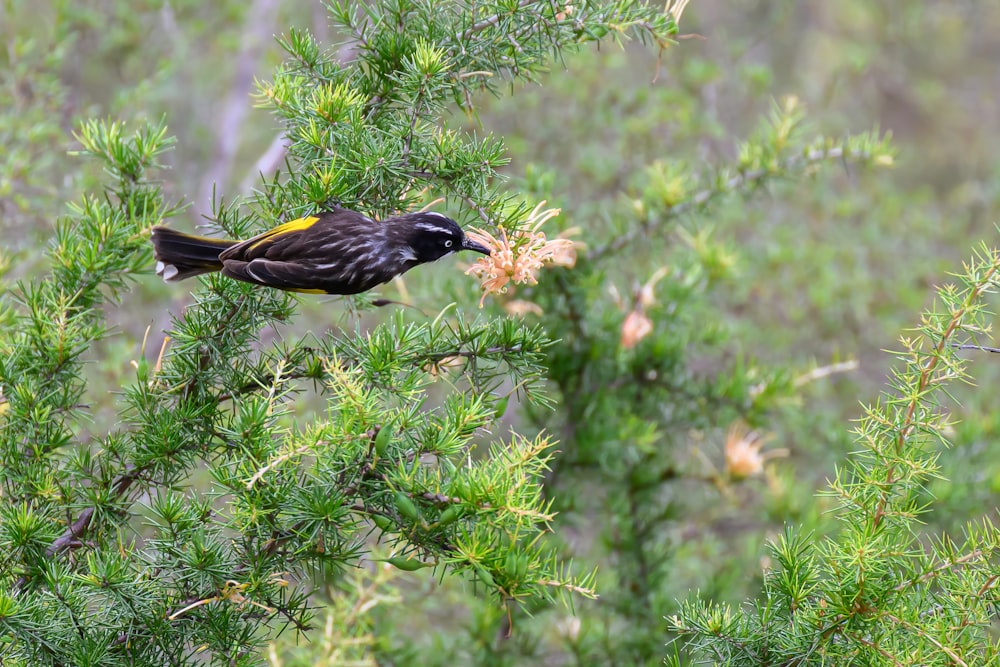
(635, 327)
(647, 295)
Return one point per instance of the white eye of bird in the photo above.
(447, 244)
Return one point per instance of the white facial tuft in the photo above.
(406, 254)
(429, 227)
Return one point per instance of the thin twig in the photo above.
(483, 213)
(872, 645)
(491, 21)
(947, 650)
(439, 356)
(981, 348)
(824, 371)
(939, 569)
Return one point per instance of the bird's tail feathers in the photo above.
(180, 255)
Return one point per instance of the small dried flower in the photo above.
(743, 452)
(743, 458)
(518, 258)
(647, 293)
(635, 327)
(637, 324)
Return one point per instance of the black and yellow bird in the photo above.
(334, 252)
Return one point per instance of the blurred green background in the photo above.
(824, 269)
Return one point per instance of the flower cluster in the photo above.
(519, 256)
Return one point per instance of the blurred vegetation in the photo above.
(753, 296)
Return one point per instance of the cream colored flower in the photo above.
(743, 457)
(743, 452)
(495, 270)
(519, 257)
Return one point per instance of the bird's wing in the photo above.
(302, 238)
(259, 245)
(283, 275)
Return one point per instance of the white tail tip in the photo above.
(168, 271)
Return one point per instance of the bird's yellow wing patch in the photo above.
(297, 225)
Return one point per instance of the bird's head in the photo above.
(429, 236)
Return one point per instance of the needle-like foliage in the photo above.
(118, 548)
(877, 594)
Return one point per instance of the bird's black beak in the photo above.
(468, 244)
